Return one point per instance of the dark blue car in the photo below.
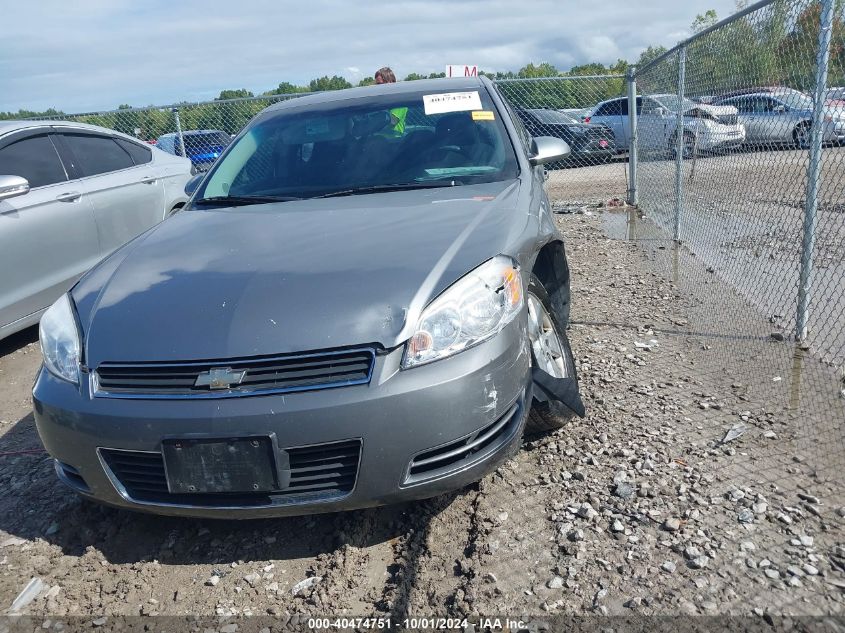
(203, 147)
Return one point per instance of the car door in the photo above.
(781, 120)
(127, 198)
(48, 237)
(761, 125)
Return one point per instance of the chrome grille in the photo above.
(727, 119)
(277, 374)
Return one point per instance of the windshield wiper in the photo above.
(398, 187)
(239, 201)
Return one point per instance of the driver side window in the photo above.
(33, 158)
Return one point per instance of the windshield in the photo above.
(414, 139)
(796, 100)
(670, 102)
(550, 117)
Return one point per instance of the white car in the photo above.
(70, 194)
(706, 127)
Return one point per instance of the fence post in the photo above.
(813, 171)
(679, 144)
(632, 143)
(179, 131)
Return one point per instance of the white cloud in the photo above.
(96, 54)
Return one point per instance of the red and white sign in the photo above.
(461, 70)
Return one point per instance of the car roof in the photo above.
(18, 125)
(398, 88)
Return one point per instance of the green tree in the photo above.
(649, 55)
(588, 69)
(704, 21)
(414, 77)
(541, 70)
(286, 88)
(234, 94)
(367, 81)
(328, 83)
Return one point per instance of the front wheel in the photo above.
(551, 352)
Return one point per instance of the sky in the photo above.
(91, 55)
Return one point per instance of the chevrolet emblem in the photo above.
(220, 378)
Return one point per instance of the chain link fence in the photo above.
(555, 106)
(734, 149)
(586, 112)
(752, 232)
(740, 158)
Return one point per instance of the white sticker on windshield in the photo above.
(451, 102)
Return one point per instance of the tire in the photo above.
(548, 416)
(689, 146)
(801, 135)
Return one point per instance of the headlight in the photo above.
(472, 310)
(60, 340)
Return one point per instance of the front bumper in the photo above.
(712, 140)
(426, 416)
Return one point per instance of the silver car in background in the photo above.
(706, 127)
(70, 194)
(784, 117)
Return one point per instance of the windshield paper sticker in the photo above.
(451, 102)
(482, 115)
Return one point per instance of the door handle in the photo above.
(148, 180)
(70, 196)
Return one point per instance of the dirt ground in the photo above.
(646, 506)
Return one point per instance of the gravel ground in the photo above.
(647, 506)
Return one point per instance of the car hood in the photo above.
(291, 276)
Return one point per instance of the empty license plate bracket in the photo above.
(224, 465)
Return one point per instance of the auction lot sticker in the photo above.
(451, 102)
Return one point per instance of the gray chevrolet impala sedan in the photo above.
(364, 302)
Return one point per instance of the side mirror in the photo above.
(192, 185)
(12, 186)
(548, 149)
(780, 109)
(661, 112)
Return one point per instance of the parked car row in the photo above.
(749, 117)
(706, 127)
